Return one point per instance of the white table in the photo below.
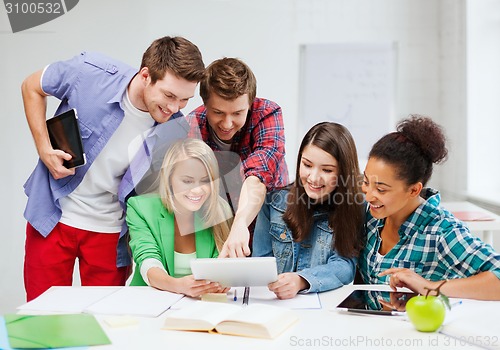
(487, 228)
(316, 329)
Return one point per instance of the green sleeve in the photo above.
(142, 241)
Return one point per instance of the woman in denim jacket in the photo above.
(314, 226)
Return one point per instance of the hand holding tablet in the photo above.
(64, 134)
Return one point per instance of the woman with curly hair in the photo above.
(411, 241)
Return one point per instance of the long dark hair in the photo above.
(345, 208)
(413, 148)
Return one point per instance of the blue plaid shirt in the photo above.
(433, 243)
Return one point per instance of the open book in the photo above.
(256, 320)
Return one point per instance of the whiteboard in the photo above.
(353, 84)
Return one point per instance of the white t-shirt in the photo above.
(94, 204)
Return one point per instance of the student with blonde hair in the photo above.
(187, 219)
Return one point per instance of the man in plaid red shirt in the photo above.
(235, 122)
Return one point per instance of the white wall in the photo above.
(264, 33)
(483, 90)
(451, 93)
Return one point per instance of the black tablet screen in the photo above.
(64, 134)
(376, 300)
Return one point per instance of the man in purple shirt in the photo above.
(79, 213)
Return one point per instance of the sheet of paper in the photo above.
(483, 331)
(67, 299)
(136, 301)
(262, 295)
(186, 301)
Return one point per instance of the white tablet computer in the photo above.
(236, 272)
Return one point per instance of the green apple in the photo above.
(426, 312)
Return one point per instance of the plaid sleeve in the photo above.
(196, 120)
(465, 254)
(268, 151)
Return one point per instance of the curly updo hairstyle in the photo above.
(417, 144)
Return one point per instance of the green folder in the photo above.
(54, 331)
